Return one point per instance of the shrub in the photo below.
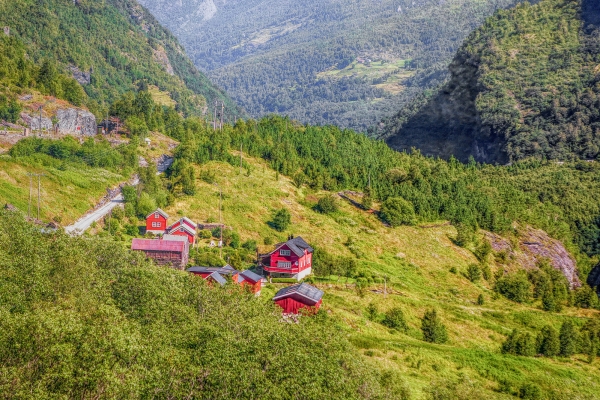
(483, 250)
(480, 300)
(474, 273)
(145, 205)
(131, 230)
(366, 201)
(433, 329)
(327, 205)
(394, 318)
(515, 287)
(453, 270)
(465, 233)
(268, 241)
(130, 210)
(372, 312)
(585, 297)
(281, 220)
(118, 213)
(519, 343)
(530, 391)
(393, 386)
(205, 234)
(548, 342)
(396, 211)
(250, 245)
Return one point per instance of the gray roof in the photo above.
(161, 212)
(251, 276)
(226, 270)
(175, 237)
(303, 289)
(218, 278)
(297, 245)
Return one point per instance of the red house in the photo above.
(182, 229)
(292, 259)
(252, 280)
(294, 298)
(164, 252)
(156, 222)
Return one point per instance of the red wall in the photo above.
(293, 258)
(290, 305)
(191, 239)
(161, 220)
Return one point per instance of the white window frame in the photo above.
(156, 224)
(285, 252)
(156, 215)
(284, 264)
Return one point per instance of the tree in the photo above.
(433, 329)
(372, 312)
(519, 343)
(548, 342)
(568, 339)
(281, 220)
(394, 318)
(327, 204)
(396, 211)
(480, 300)
(473, 273)
(515, 287)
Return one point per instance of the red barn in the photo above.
(182, 229)
(205, 272)
(252, 280)
(296, 297)
(164, 252)
(292, 259)
(156, 222)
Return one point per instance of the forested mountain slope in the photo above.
(524, 84)
(109, 46)
(343, 62)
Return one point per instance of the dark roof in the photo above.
(161, 212)
(303, 289)
(251, 276)
(226, 270)
(158, 245)
(297, 245)
(217, 278)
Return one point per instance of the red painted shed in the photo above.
(252, 280)
(156, 222)
(303, 296)
(183, 230)
(164, 252)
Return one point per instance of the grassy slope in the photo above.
(417, 260)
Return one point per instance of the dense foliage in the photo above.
(117, 42)
(83, 318)
(524, 84)
(271, 55)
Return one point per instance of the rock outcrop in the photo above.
(84, 78)
(35, 122)
(533, 246)
(74, 121)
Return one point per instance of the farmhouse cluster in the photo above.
(290, 259)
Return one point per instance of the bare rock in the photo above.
(535, 245)
(74, 121)
(84, 78)
(161, 57)
(37, 123)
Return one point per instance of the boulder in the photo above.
(35, 121)
(74, 121)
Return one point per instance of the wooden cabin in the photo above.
(302, 296)
(292, 259)
(174, 253)
(184, 227)
(156, 222)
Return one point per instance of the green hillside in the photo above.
(281, 56)
(523, 85)
(117, 43)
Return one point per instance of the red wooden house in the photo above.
(156, 222)
(292, 259)
(183, 229)
(164, 252)
(225, 271)
(251, 280)
(298, 297)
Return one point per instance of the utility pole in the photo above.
(106, 125)
(222, 111)
(39, 176)
(220, 221)
(30, 194)
(241, 149)
(215, 116)
(41, 121)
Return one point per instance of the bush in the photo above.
(372, 312)
(327, 205)
(205, 234)
(474, 273)
(131, 230)
(465, 234)
(483, 250)
(394, 318)
(480, 300)
(515, 287)
(118, 213)
(519, 343)
(530, 391)
(433, 329)
(585, 297)
(281, 220)
(548, 342)
(396, 211)
(250, 245)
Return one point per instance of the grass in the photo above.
(160, 97)
(417, 262)
(66, 193)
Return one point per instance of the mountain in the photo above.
(525, 84)
(110, 47)
(343, 62)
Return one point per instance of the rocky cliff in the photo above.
(74, 121)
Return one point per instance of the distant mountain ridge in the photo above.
(343, 62)
(523, 85)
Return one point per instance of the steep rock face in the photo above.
(74, 121)
(533, 246)
(35, 122)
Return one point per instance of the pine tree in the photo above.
(433, 329)
(548, 342)
(568, 339)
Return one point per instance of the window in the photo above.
(156, 224)
(155, 215)
(284, 264)
(284, 252)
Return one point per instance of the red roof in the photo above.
(158, 245)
